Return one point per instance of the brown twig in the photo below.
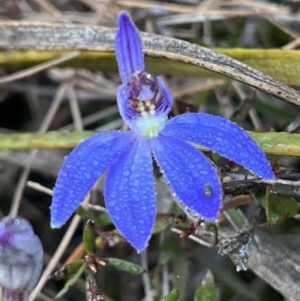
(33, 70)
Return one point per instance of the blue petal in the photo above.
(130, 195)
(129, 52)
(81, 170)
(223, 137)
(123, 103)
(165, 105)
(191, 176)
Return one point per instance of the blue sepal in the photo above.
(223, 137)
(191, 176)
(130, 195)
(129, 52)
(81, 170)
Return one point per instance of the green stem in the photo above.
(283, 144)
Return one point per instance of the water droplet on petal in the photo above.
(208, 190)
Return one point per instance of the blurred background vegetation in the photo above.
(258, 218)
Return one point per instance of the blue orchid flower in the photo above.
(144, 103)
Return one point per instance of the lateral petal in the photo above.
(191, 176)
(165, 103)
(223, 137)
(130, 195)
(81, 170)
(129, 52)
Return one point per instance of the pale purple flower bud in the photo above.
(21, 258)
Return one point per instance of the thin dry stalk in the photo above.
(36, 69)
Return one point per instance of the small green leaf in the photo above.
(100, 221)
(236, 217)
(70, 282)
(67, 270)
(173, 296)
(124, 265)
(278, 206)
(180, 222)
(162, 222)
(89, 237)
(207, 290)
